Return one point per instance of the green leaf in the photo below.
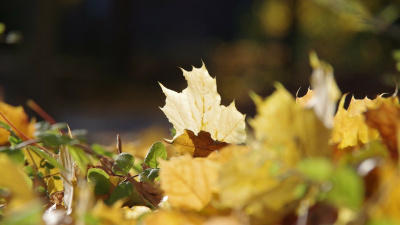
(347, 188)
(80, 157)
(101, 150)
(156, 151)
(16, 155)
(5, 126)
(317, 169)
(55, 140)
(385, 221)
(49, 159)
(123, 164)
(100, 180)
(123, 190)
(148, 175)
(14, 140)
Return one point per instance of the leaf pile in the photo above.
(303, 162)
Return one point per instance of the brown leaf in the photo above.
(198, 146)
(386, 119)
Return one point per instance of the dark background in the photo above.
(95, 64)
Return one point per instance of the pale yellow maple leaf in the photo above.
(188, 182)
(350, 128)
(325, 90)
(197, 108)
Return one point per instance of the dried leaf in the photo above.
(288, 130)
(350, 128)
(386, 119)
(67, 176)
(200, 145)
(188, 182)
(197, 108)
(326, 92)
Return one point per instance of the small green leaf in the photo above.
(55, 140)
(14, 140)
(148, 175)
(5, 126)
(101, 150)
(123, 190)
(80, 157)
(100, 180)
(156, 151)
(316, 169)
(123, 164)
(49, 159)
(347, 188)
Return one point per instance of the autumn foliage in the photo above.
(301, 161)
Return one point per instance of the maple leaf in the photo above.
(17, 116)
(197, 108)
(250, 182)
(325, 92)
(198, 146)
(350, 128)
(288, 130)
(385, 117)
(188, 182)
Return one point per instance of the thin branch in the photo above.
(39, 110)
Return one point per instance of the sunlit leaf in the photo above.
(100, 181)
(123, 164)
(188, 182)
(197, 108)
(156, 151)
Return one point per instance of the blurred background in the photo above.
(95, 63)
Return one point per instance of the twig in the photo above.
(39, 110)
(119, 146)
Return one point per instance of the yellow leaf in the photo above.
(287, 130)
(250, 182)
(172, 218)
(302, 101)
(15, 180)
(17, 116)
(188, 182)
(226, 153)
(197, 108)
(349, 127)
(197, 146)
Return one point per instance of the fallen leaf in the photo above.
(14, 179)
(250, 182)
(164, 217)
(197, 108)
(325, 90)
(200, 145)
(17, 116)
(68, 176)
(188, 182)
(349, 128)
(287, 130)
(385, 117)
(303, 101)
